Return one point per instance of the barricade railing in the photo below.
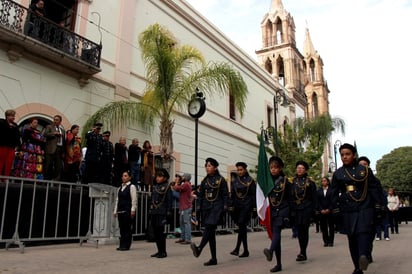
(50, 211)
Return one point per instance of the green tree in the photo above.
(305, 139)
(173, 73)
(395, 169)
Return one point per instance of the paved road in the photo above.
(390, 257)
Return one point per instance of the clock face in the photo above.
(196, 107)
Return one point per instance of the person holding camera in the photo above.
(279, 204)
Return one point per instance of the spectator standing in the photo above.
(393, 207)
(243, 202)
(9, 141)
(29, 160)
(121, 163)
(303, 206)
(94, 143)
(185, 208)
(324, 212)
(33, 26)
(125, 211)
(213, 199)
(148, 167)
(160, 210)
(106, 161)
(175, 222)
(135, 161)
(73, 154)
(53, 161)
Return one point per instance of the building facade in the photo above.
(84, 54)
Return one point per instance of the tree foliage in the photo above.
(395, 169)
(173, 72)
(305, 139)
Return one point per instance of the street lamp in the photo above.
(196, 109)
(279, 96)
(336, 146)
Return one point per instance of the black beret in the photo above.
(348, 146)
(364, 158)
(162, 173)
(212, 161)
(303, 163)
(98, 124)
(106, 133)
(277, 160)
(242, 164)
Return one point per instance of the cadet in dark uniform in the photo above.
(94, 143)
(279, 199)
(213, 196)
(356, 198)
(243, 202)
(160, 210)
(324, 212)
(303, 206)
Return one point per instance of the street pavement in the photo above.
(389, 257)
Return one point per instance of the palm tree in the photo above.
(173, 73)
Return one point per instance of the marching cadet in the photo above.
(303, 206)
(160, 210)
(279, 203)
(213, 198)
(356, 198)
(243, 202)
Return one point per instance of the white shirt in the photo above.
(133, 195)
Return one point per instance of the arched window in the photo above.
(312, 71)
(279, 31)
(268, 66)
(315, 105)
(281, 70)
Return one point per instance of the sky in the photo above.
(366, 49)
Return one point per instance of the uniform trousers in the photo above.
(275, 244)
(303, 237)
(209, 235)
(242, 237)
(125, 226)
(160, 238)
(359, 244)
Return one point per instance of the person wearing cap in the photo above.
(279, 198)
(243, 202)
(303, 206)
(356, 199)
(106, 160)
(125, 210)
(93, 154)
(160, 210)
(184, 187)
(213, 198)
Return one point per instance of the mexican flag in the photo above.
(264, 186)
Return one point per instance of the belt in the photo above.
(350, 188)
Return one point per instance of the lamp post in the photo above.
(336, 146)
(279, 96)
(196, 109)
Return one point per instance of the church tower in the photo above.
(300, 74)
(316, 88)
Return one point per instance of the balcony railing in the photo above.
(19, 26)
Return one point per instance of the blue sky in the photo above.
(366, 49)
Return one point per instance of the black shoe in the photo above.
(185, 243)
(363, 262)
(195, 249)
(277, 268)
(370, 259)
(122, 248)
(357, 271)
(244, 254)
(330, 244)
(210, 262)
(325, 244)
(301, 258)
(161, 255)
(235, 252)
(268, 254)
(155, 255)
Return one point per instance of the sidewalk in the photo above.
(389, 257)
